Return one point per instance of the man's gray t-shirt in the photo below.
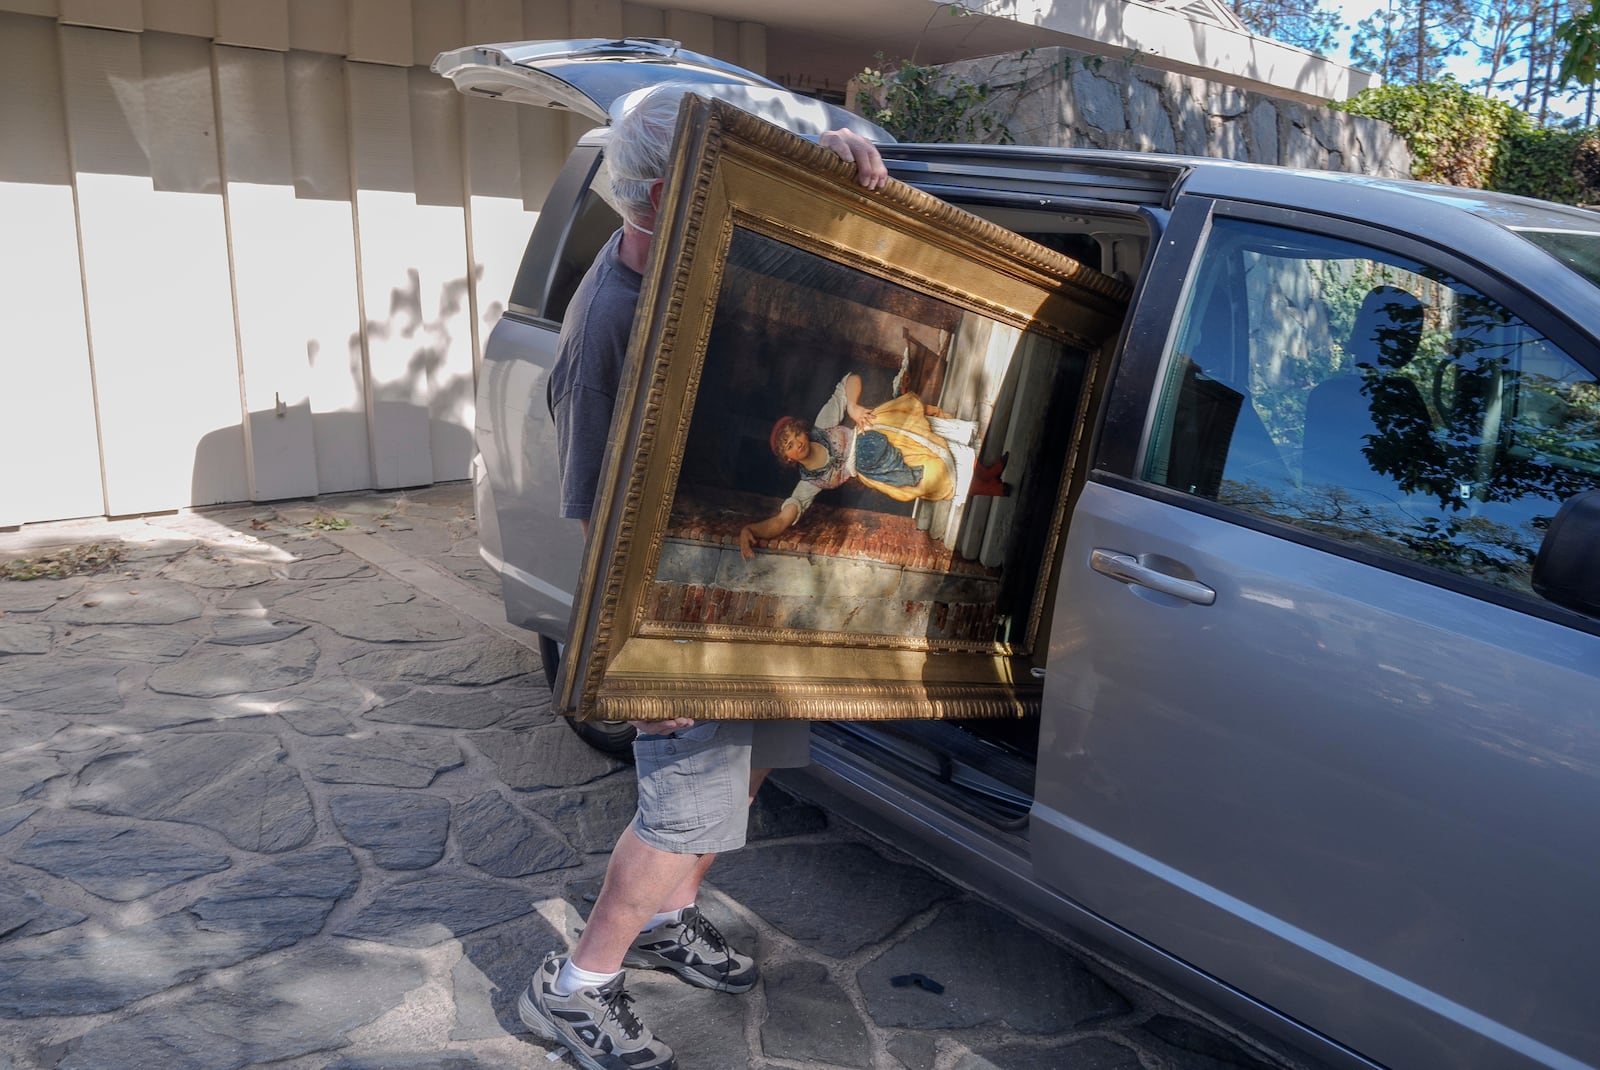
(583, 393)
(583, 383)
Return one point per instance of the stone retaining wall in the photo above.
(1058, 97)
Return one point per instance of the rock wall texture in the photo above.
(1058, 97)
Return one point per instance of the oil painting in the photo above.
(847, 436)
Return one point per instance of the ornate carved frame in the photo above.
(733, 169)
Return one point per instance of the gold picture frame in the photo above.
(949, 363)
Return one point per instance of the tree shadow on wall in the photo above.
(411, 428)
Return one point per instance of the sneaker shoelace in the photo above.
(618, 1006)
(700, 928)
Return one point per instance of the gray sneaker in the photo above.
(694, 950)
(594, 1024)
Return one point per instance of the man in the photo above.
(696, 781)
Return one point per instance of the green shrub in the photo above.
(1586, 161)
(1540, 162)
(1556, 165)
(1454, 134)
(1461, 138)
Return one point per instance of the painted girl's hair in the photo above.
(780, 430)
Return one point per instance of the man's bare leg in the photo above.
(630, 896)
(687, 891)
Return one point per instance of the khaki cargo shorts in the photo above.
(694, 785)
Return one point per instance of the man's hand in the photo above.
(661, 728)
(853, 148)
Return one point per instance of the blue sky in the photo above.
(1466, 67)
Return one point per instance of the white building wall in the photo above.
(49, 444)
(254, 246)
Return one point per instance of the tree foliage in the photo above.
(1461, 138)
(1305, 24)
(1408, 41)
(1531, 52)
(1520, 45)
(916, 103)
(1454, 134)
(1579, 37)
(1501, 36)
(1537, 161)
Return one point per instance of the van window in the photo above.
(1362, 396)
(592, 225)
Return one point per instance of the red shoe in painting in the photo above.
(986, 479)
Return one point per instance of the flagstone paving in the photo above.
(266, 803)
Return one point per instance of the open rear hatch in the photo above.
(599, 78)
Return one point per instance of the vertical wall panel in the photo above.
(726, 35)
(444, 339)
(499, 217)
(491, 20)
(104, 14)
(494, 208)
(253, 23)
(49, 453)
(329, 316)
(641, 21)
(435, 26)
(692, 29)
(595, 18)
(753, 47)
(380, 31)
(193, 17)
(545, 20)
(272, 244)
(320, 26)
(156, 269)
(400, 346)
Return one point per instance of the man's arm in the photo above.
(853, 148)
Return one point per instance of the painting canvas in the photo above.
(845, 449)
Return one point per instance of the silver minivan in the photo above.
(1320, 740)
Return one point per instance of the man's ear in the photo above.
(655, 193)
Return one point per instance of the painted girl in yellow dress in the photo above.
(903, 448)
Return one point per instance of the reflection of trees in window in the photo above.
(1447, 431)
(1468, 545)
(1513, 430)
(1303, 310)
(1500, 435)
(1559, 418)
(1292, 332)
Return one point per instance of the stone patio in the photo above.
(279, 794)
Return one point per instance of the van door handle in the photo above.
(1129, 569)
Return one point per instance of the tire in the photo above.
(614, 738)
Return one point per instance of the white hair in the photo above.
(638, 149)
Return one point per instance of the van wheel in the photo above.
(609, 737)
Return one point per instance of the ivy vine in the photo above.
(1461, 138)
(1453, 133)
(917, 103)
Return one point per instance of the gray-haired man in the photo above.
(696, 781)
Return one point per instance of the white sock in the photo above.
(662, 918)
(571, 978)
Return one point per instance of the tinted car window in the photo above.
(571, 227)
(1362, 396)
(1579, 250)
(594, 223)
